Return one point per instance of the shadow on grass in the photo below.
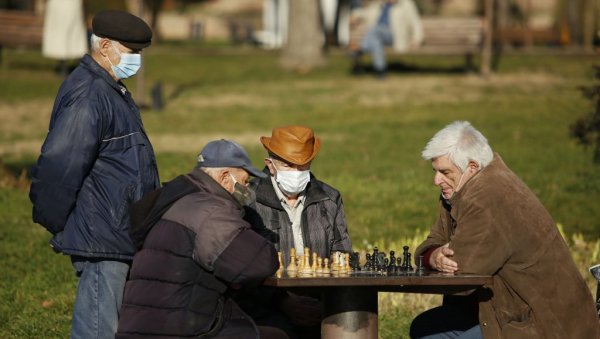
(408, 68)
(16, 169)
(182, 88)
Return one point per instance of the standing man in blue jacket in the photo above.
(96, 161)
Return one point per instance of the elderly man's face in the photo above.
(448, 177)
(284, 166)
(228, 183)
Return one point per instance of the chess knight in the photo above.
(491, 223)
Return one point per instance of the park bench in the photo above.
(442, 36)
(20, 28)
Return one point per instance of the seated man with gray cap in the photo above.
(96, 161)
(194, 251)
(294, 210)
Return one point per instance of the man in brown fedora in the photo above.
(295, 210)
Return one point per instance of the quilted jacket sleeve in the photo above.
(67, 156)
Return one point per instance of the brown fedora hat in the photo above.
(294, 144)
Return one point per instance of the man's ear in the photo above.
(473, 166)
(104, 46)
(269, 165)
(224, 176)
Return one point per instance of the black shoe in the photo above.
(380, 74)
(356, 67)
(357, 70)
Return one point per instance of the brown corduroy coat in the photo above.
(497, 226)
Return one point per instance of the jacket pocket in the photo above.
(121, 211)
(522, 326)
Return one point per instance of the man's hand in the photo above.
(440, 260)
(302, 310)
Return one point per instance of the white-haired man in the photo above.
(491, 223)
(96, 160)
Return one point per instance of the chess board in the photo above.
(377, 271)
(308, 264)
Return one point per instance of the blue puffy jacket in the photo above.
(96, 160)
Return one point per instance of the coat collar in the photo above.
(265, 193)
(91, 65)
(206, 183)
(495, 165)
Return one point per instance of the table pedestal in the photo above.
(349, 313)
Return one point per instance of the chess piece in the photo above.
(314, 263)
(420, 267)
(341, 263)
(375, 258)
(280, 269)
(409, 267)
(335, 264)
(367, 266)
(292, 266)
(355, 261)
(405, 263)
(306, 269)
(347, 260)
(326, 270)
(392, 268)
(319, 270)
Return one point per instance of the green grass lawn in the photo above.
(372, 135)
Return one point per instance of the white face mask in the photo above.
(291, 182)
(128, 66)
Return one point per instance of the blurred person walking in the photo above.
(96, 161)
(65, 35)
(393, 23)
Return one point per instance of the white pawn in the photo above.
(292, 268)
(306, 269)
(314, 263)
(319, 270)
(326, 270)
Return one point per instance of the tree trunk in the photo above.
(588, 24)
(304, 48)
(486, 53)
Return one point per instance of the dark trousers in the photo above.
(456, 318)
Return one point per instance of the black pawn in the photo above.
(409, 267)
(392, 268)
(374, 262)
(405, 262)
(419, 263)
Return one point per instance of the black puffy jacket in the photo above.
(195, 246)
(96, 160)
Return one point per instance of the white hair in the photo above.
(462, 143)
(95, 42)
(213, 172)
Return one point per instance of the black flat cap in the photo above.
(124, 27)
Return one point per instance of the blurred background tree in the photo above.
(304, 48)
(587, 128)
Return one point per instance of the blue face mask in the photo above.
(128, 66)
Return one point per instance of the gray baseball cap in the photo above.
(226, 153)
